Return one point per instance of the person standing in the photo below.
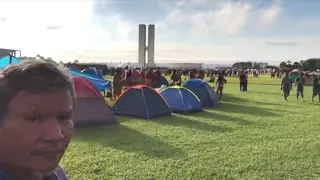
(316, 87)
(220, 84)
(150, 78)
(300, 81)
(201, 74)
(242, 78)
(117, 84)
(36, 120)
(192, 74)
(175, 78)
(286, 86)
(245, 82)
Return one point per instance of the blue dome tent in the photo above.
(6, 60)
(203, 91)
(162, 81)
(93, 71)
(181, 100)
(141, 101)
(98, 82)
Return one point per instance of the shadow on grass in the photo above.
(269, 93)
(209, 114)
(236, 99)
(256, 83)
(182, 120)
(232, 98)
(126, 139)
(244, 109)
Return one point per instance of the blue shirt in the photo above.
(58, 174)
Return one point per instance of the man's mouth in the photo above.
(54, 154)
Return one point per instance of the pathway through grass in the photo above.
(252, 135)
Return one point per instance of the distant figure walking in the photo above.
(316, 87)
(220, 84)
(245, 82)
(117, 84)
(242, 78)
(286, 86)
(300, 81)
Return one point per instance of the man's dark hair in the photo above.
(32, 76)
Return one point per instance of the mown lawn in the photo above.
(251, 135)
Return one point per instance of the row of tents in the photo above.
(146, 102)
(141, 101)
(90, 105)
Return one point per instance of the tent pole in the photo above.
(10, 60)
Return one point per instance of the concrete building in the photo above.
(143, 48)
(142, 45)
(151, 39)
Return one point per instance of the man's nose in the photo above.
(52, 130)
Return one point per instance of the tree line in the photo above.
(312, 64)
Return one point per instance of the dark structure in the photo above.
(12, 52)
(82, 66)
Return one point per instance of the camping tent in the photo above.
(6, 60)
(162, 81)
(203, 91)
(181, 100)
(141, 101)
(100, 83)
(90, 107)
(93, 71)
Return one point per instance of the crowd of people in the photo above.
(42, 131)
(124, 78)
(287, 84)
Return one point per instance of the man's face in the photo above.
(37, 130)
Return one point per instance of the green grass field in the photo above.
(251, 135)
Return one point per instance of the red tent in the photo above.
(84, 88)
(90, 106)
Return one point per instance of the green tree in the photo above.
(283, 64)
(311, 64)
(288, 63)
(242, 65)
(249, 65)
(296, 65)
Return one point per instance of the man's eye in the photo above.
(34, 118)
(64, 118)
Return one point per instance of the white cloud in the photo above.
(124, 28)
(241, 49)
(270, 15)
(27, 22)
(67, 30)
(230, 19)
(223, 17)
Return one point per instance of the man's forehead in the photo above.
(34, 99)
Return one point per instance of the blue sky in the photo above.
(218, 31)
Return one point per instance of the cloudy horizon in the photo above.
(211, 31)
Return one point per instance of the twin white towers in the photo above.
(146, 48)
